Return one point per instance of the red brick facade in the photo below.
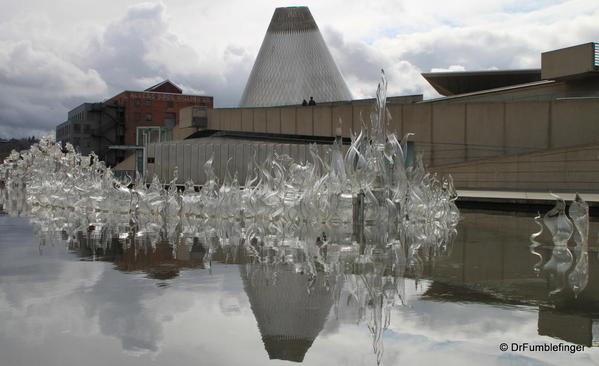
(152, 108)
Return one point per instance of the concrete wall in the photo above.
(574, 169)
(568, 61)
(319, 120)
(446, 132)
(180, 133)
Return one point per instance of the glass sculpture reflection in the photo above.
(564, 270)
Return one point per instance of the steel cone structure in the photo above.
(293, 64)
(290, 309)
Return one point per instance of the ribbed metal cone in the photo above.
(290, 309)
(293, 64)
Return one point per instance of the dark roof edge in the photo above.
(491, 91)
(481, 72)
(267, 136)
(162, 83)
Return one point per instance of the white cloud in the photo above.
(449, 69)
(52, 60)
(37, 86)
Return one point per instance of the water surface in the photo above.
(66, 305)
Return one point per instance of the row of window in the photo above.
(79, 142)
(148, 102)
(149, 117)
(62, 132)
(77, 128)
(167, 103)
(79, 116)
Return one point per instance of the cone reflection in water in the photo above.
(290, 308)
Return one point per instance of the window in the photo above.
(136, 102)
(149, 116)
(148, 135)
(199, 118)
(147, 102)
(86, 129)
(137, 116)
(169, 104)
(77, 128)
(77, 141)
(170, 119)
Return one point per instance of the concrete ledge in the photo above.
(520, 201)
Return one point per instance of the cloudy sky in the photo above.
(57, 54)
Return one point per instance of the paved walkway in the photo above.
(514, 196)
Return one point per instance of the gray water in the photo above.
(65, 305)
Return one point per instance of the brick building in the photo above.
(132, 118)
(153, 113)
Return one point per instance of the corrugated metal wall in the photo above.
(189, 157)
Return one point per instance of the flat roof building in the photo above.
(130, 119)
(92, 127)
(153, 113)
(499, 130)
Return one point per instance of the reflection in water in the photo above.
(301, 304)
(489, 264)
(160, 260)
(290, 308)
(292, 288)
(535, 244)
(559, 268)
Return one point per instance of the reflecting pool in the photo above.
(64, 303)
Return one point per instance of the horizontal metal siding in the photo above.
(190, 157)
(187, 162)
(199, 164)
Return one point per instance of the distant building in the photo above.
(114, 128)
(153, 113)
(94, 127)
